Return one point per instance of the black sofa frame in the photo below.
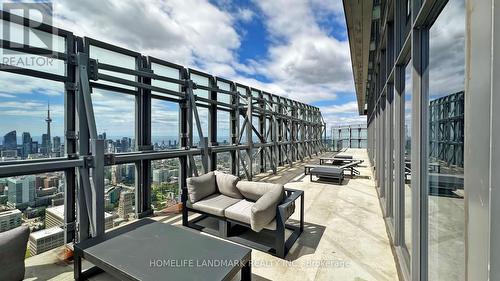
(281, 245)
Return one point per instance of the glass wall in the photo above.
(164, 124)
(406, 202)
(165, 190)
(34, 130)
(445, 171)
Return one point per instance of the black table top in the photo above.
(151, 250)
(326, 169)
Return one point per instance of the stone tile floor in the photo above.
(344, 238)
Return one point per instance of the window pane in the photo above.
(164, 186)
(224, 162)
(446, 130)
(225, 98)
(119, 193)
(203, 81)
(164, 124)
(115, 120)
(34, 109)
(166, 71)
(36, 201)
(407, 159)
(223, 132)
(203, 115)
(117, 59)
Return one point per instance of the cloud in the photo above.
(245, 14)
(343, 114)
(181, 31)
(447, 51)
(13, 85)
(303, 62)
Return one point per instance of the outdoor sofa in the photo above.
(13, 245)
(257, 205)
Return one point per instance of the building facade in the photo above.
(126, 204)
(21, 191)
(10, 219)
(54, 217)
(349, 136)
(160, 176)
(45, 240)
(427, 79)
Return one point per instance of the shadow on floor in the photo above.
(308, 241)
(306, 244)
(333, 182)
(46, 271)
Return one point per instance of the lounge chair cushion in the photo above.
(242, 212)
(254, 190)
(226, 183)
(12, 250)
(201, 187)
(214, 204)
(264, 209)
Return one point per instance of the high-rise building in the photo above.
(125, 144)
(9, 154)
(10, 141)
(34, 147)
(160, 175)
(52, 181)
(26, 149)
(10, 219)
(129, 171)
(56, 141)
(45, 240)
(54, 217)
(45, 148)
(21, 190)
(126, 204)
(116, 174)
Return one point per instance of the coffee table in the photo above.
(151, 250)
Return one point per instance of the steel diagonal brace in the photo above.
(242, 130)
(203, 141)
(93, 182)
(243, 165)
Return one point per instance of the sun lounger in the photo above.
(336, 161)
(327, 172)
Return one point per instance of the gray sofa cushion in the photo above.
(214, 204)
(264, 209)
(242, 212)
(227, 184)
(254, 190)
(12, 250)
(201, 187)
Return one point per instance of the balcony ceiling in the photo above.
(358, 14)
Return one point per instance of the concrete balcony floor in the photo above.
(344, 238)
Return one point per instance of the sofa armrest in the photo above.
(264, 209)
(287, 207)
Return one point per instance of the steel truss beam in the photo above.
(276, 131)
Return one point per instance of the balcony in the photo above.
(344, 238)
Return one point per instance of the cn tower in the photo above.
(48, 120)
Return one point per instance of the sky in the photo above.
(293, 48)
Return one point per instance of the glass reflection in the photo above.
(445, 162)
(407, 157)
